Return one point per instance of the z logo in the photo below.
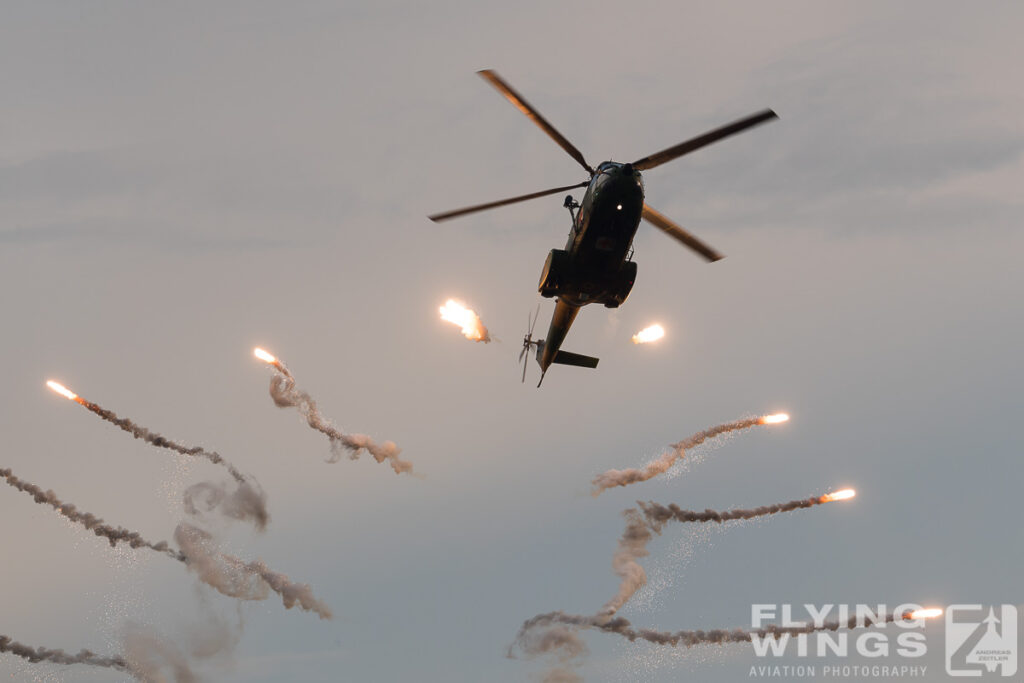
(980, 641)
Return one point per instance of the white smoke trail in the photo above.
(286, 395)
(527, 641)
(140, 432)
(44, 654)
(613, 478)
(657, 515)
(245, 502)
(113, 535)
(236, 578)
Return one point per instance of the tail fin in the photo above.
(577, 359)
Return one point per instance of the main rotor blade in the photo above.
(438, 217)
(668, 227)
(659, 158)
(522, 105)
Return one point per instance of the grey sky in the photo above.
(182, 182)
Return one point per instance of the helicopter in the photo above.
(596, 264)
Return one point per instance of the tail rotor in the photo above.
(528, 341)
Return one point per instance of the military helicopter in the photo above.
(596, 264)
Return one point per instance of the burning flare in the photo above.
(845, 494)
(927, 613)
(467, 319)
(63, 390)
(264, 356)
(649, 334)
(774, 419)
(270, 359)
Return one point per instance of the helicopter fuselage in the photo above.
(594, 267)
(602, 233)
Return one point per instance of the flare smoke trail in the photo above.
(152, 657)
(613, 478)
(149, 655)
(247, 503)
(114, 535)
(632, 546)
(561, 674)
(238, 579)
(657, 515)
(229, 575)
(140, 432)
(558, 639)
(285, 395)
(43, 654)
(552, 632)
(530, 643)
(638, 533)
(564, 641)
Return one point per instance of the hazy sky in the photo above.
(180, 182)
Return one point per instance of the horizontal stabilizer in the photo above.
(577, 359)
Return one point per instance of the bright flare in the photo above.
(845, 494)
(264, 356)
(774, 419)
(927, 613)
(469, 321)
(649, 334)
(62, 390)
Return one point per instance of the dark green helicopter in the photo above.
(596, 264)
